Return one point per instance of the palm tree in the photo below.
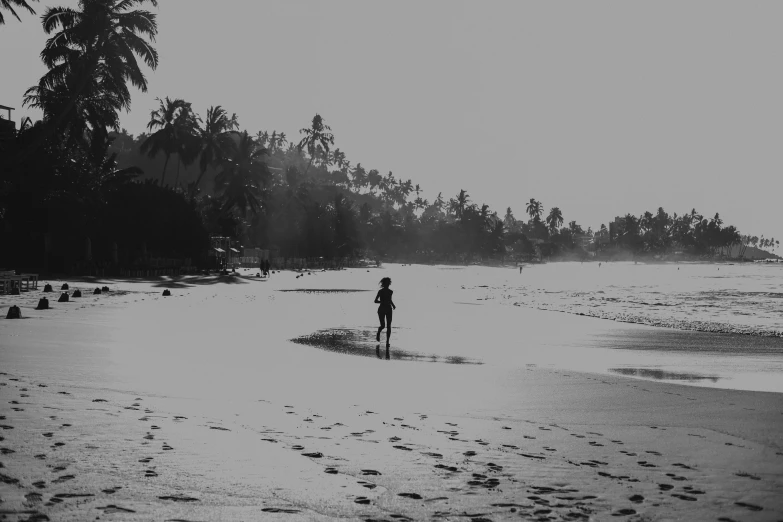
(317, 134)
(458, 205)
(534, 209)
(173, 121)
(92, 56)
(216, 139)
(374, 179)
(8, 4)
(554, 220)
(359, 176)
(244, 176)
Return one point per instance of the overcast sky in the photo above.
(599, 108)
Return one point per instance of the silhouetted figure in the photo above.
(520, 269)
(384, 297)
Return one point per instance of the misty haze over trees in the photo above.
(76, 177)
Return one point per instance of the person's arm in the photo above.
(378, 297)
(394, 307)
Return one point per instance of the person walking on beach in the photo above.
(384, 298)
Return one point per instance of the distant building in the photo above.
(7, 125)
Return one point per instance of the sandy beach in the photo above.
(133, 406)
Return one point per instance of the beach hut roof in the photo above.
(234, 250)
(217, 249)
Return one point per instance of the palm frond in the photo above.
(55, 17)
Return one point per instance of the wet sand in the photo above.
(198, 406)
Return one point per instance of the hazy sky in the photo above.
(600, 108)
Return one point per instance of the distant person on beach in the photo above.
(384, 298)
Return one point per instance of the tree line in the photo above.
(75, 186)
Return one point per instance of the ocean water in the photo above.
(738, 298)
(695, 324)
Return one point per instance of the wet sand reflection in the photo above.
(663, 375)
(351, 341)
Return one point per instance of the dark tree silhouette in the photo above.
(9, 6)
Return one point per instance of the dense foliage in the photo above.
(75, 189)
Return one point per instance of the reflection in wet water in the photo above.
(663, 375)
(360, 341)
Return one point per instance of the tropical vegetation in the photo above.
(75, 178)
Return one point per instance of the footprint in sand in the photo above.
(665, 487)
(315, 455)
(145, 460)
(751, 507)
(653, 453)
(414, 496)
(636, 499)
(470, 453)
(645, 464)
(405, 448)
(39, 484)
(331, 471)
(166, 447)
(280, 510)
(623, 512)
(111, 508)
(684, 497)
(744, 475)
(33, 498)
(447, 468)
(675, 477)
(370, 472)
(368, 485)
(73, 495)
(297, 447)
(62, 479)
(361, 500)
(181, 498)
(683, 466)
(593, 443)
(434, 455)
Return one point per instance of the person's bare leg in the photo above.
(380, 328)
(388, 331)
